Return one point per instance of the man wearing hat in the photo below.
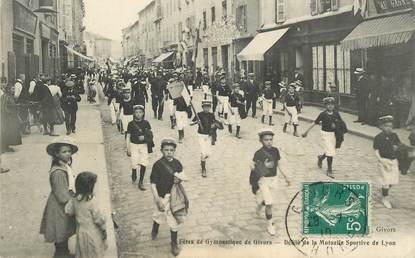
(362, 95)
(69, 101)
(291, 101)
(268, 95)
(252, 90)
(386, 145)
(139, 91)
(170, 103)
(299, 89)
(158, 86)
(283, 93)
(206, 121)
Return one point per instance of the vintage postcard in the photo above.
(207, 128)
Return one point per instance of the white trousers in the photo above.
(328, 140)
(389, 172)
(181, 119)
(235, 118)
(223, 104)
(161, 217)
(264, 193)
(293, 118)
(113, 113)
(139, 155)
(267, 107)
(171, 107)
(205, 144)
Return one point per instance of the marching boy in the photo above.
(138, 136)
(236, 103)
(263, 174)
(268, 95)
(166, 174)
(386, 145)
(206, 124)
(291, 102)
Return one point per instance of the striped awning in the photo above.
(379, 32)
(79, 54)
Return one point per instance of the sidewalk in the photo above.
(25, 189)
(310, 113)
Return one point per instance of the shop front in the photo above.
(387, 44)
(311, 52)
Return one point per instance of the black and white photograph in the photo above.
(207, 128)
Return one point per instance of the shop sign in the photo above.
(384, 6)
(24, 19)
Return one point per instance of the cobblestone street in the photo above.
(222, 205)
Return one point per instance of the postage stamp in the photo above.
(335, 208)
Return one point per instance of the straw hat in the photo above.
(63, 140)
(265, 131)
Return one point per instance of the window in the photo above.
(212, 10)
(331, 66)
(30, 46)
(206, 57)
(322, 6)
(204, 20)
(224, 10)
(241, 18)
(279, 11)
(214, 58)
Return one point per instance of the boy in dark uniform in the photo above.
(138, 135)
(223, 92)
(332, 125)
(139, 91)
(386, 145)
(291, 102)
(126, 108)
(236, 100)
(263, 174)
(166, 172)
(268, 95)
(205, 132)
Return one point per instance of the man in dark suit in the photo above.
(158, 86)
(69, 102)
(362, 95)
(252, 91)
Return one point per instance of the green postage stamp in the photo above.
(335, 208)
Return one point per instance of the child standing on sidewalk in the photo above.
(386, 145)
(268, 95)
(207, 120)
(138, 136)
(56, 226)
(166, 172)
(91, 233)
(263, 174)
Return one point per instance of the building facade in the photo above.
(148, 37)
(131, 40)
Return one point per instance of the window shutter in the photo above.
(245, 22)
(334, 5)
(280, 10)
(313, 7)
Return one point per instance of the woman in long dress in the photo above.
(10, 133)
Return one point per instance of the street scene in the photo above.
(189, 128)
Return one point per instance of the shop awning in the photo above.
(381, 32)
(79, 54)
(261, 43)
(162, 57)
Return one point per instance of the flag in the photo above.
(196, 45)
(178, 90)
